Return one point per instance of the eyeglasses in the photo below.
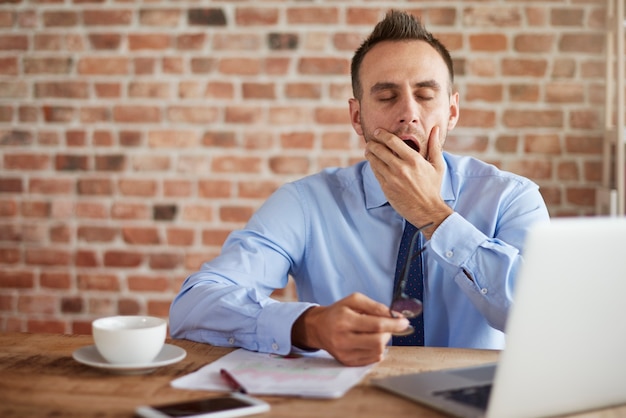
(402, 303)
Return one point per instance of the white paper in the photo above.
(315, 375)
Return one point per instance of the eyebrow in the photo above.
(381, 86)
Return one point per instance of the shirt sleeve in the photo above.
(483, 258)
(227, 302)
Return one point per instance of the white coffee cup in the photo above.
(129, 339)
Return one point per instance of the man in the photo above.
(338, 232)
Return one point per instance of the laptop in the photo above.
(566, 332)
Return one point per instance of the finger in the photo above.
(365, 305)
(435, 155)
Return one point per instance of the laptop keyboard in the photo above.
(476, 396)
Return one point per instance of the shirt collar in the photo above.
(374, 196)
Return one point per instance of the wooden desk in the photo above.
(39, 377)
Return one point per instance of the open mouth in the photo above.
(412, 145)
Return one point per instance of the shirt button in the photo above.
(231, 341)
(275, 347)
(484, 290)
(449, 254)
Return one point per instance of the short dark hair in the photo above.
(396, 26)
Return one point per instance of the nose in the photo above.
(408, 111)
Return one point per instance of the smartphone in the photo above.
(233, 405)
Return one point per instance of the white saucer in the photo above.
(90, 356)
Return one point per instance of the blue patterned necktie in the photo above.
(414, 286)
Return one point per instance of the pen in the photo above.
(232, 382)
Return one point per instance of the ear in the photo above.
(355, 115)
(454, 111)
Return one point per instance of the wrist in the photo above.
(302, 335)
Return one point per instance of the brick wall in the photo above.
(134, 135)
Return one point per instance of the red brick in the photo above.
(190, 41)
(145, 188)
(235, 213)
(48, 257)
(86, 258)
(219, 90)
(585, 42)
(95, 186)
(524, 67)
(130, 211)
(259, 90)
(241, 114)
(28, 161)
(51, 186)
(323, 66)
(104, 282)
(583, 196)
(214, 188)
(60, 18)
(292, 115)
(136, 114)
(337, 140)
(488, 42)
(16, 279)
(585, 119)
(105, 41)
(148, 283)
(13, 43)
(524, 92)
(149, 41)
(234, 164)
(97, 233)
(220, 139)
(55, 280)
(261, 189)
(239, 66)
(36, 304)
(193, 114)
(122, 258)
(303, 90)
(154, 90)
(332, 116)
(103, 66)
(253, 16)
(159, 308)
(296, 140)
(197, 213)
(99, 17)
(289, 165)
(172, 139)
(477, 118)
(312, 15)
(165, 261)
(141, 236)
(534, 118)
(542, 144)
(565, 93)
(160, 17)
(177, 188)
(568, 171)
(237, 42)
(128, 306)
(180, 236)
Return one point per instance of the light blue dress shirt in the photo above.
(335, 233)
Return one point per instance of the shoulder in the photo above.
(470, 168)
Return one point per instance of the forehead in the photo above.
(402, 61)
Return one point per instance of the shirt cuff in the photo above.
(275, 323)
